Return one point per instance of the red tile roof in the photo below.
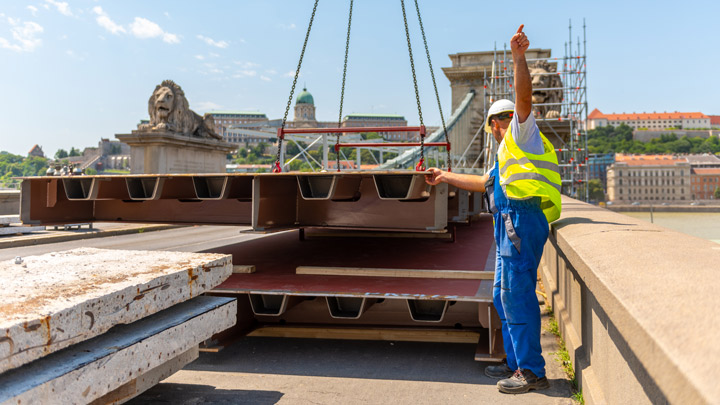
(649, 160)
(647, 116)
(707, 171)
(714, 119)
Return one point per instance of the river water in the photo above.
(704, 225)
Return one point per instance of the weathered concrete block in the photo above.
(126, 354)
(58, 299)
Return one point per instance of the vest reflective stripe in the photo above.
(524, 175)
(531, 176)
(542, 164)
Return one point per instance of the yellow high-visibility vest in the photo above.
(524, 175)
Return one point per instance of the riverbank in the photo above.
(713, 207)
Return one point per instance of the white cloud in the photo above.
(143, 28)
(290, 26)
(33, 10)
(271, 71)
(104, 21)
(167, 15)
(212, 42)
(213, 55)
(199, 57)
(289, 74)
(244, 73)
(62, 7)
(265, 78)
(24, 35)
(247, 65)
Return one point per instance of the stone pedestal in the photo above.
(161, 152)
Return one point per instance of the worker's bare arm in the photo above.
(470, 182)
(523, 83)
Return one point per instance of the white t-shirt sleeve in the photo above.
(527, 135)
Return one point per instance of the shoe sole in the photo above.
(522, 390)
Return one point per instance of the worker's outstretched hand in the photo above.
(519, 43)
(434, 176)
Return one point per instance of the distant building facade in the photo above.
(598, 164)
(704, 182)
(649, 121)
(224, 119)
(648, 179)
(36, 151)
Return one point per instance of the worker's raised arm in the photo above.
(523, 84)
(470, 182)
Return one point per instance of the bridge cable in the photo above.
(437, 96)
(342, 91)
(421, 164)
(277, 168)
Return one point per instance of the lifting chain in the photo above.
(342, 91)
(421, 164)
(277, 167)
(437, 96)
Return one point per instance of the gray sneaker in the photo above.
(522, 381)
(499, 372)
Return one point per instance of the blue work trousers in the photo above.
(521, 231)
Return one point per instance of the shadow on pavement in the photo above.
(191, 394)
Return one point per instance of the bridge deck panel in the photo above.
(276, 258)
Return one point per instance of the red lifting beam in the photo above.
(282, 131)
(380, 145)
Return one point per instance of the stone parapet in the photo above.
(160, 152)
(9, 202)
(636, 304)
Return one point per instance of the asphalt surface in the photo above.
(257, 370)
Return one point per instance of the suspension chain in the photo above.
(437, 95)
(417, 93)
(342, 91)
(277, 167)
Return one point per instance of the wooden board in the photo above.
(92, 369)
(406, 273)
(58, 299)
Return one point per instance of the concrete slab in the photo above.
(92, 369)
(9, 219)
(59, 299)
(20, 230)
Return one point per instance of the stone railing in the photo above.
(638, 307)
(9, 202)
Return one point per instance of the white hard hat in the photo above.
(498, 107)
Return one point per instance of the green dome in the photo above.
(304, 98)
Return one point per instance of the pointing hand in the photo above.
(519, 43)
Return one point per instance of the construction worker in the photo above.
(523, 193)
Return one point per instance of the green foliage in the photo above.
(596, 191)
(563, 356)
(74, 152)
(619, 140)
(19, 166)
(717, 193)
(90, 171)
(60, 154)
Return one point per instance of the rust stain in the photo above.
(92, 318)
(48, 338)
(139, 297)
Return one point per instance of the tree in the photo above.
(717, 193)
(74, 152)
(61, 154)
(596, 191)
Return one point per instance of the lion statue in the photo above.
(543, 81)
(169, 111)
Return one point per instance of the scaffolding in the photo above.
(566, 131)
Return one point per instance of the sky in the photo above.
(75, 71)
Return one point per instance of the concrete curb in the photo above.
(28, 240)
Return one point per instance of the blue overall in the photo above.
(521, 231)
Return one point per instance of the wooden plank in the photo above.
(389, 334)
(243, 268)
(405, 273)
(58, 299)
(91, 369)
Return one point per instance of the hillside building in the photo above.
(650, 121)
